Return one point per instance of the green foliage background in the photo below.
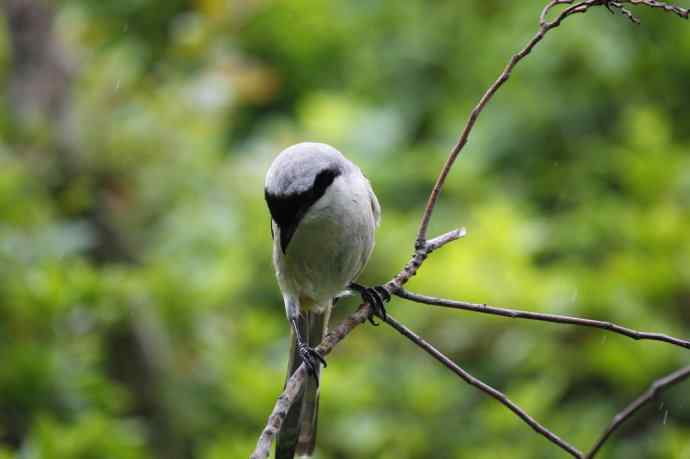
(163, 336)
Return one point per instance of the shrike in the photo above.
(324, 215)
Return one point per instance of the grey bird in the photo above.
(324, 214)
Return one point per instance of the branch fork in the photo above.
(423, 249)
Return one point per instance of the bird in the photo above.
(324, 216)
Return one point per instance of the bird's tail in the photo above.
(297, 436)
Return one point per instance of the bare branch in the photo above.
(624, 11)
(422, 251)
(657, 387)
(547, 9)
(469, 379)
(682, 12)
(555, 318)
(293, 386)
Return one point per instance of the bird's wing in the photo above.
(375, 206)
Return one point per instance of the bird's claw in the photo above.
(376, 297)
(311, 359)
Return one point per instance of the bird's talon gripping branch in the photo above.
(376, 297)
(311, 359)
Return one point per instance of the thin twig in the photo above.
(421, 253)
(469, 379)
(549, 6)
(554, 318)
(657, 387)
(682, 12)
(624, 11)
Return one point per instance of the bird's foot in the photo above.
(312, 359)
(376, 297)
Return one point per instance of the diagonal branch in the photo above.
(482, 386)
(654, 390)
(477, 110)
(555, 318)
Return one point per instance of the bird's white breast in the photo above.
(331, 245)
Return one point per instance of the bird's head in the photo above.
(298, 177)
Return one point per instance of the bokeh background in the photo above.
(139, 315)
